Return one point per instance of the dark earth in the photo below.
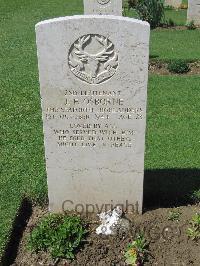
(168, 242)
(160, 68)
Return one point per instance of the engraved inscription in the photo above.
(93, 59)
(94, 135)
(91, 119)
(103, 2)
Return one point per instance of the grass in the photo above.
(185, 2)
(175, 44)
(172, 159)
(173, 115)
(173, 122)
(167, 44)
(178, 16)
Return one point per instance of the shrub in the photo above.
(194, 231)
(178, 66)
(151, 11)
(60, 235)
(132, 3)
(171, 23)
(190, 25)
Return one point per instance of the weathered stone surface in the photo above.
(103, 7)
(93, 79)
(173, 3)
(193, 13)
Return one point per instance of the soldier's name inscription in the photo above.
(80, 107)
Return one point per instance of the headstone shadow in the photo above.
(19, 225)
(169, 187)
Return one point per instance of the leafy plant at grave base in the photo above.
(174, 215)
(151, 11)
(171, 23)
(194, 231)
(178, 66)
(190, 25)
(58, 234)
(137, 252)
(195, 196)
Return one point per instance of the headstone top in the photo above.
(106, 7)
(95, 16)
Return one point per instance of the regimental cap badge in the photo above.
(103, 2)
(93, 59)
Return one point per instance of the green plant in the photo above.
(178, 66)
(125, 8)
(127, 5)
(171, 23)
(194, 231)
(60, 235)
(132, 3)
(169, 7)
(137, 251)
(190, 25)
(195, 196)
(174, 215)
(151, 11)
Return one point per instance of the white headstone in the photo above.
(103, 7)
(93, 79)
(173, 3)
(193, 13)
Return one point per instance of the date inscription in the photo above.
(94, 119)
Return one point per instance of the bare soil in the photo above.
(160, 68)
(168, 242)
